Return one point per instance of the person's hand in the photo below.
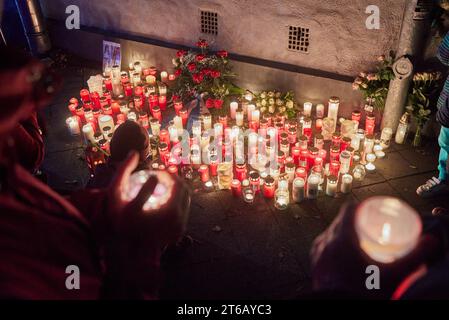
(130, 223)
(339, 264)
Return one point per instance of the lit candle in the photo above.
(331, 187)
(308, 109)
(178, 122)
(207, 121)
(385, 137)
(387, 228)
(106, 121)
(150, 79)
(204, 172)
(233, 108)
(164, 76)
(155, 126)
(313, 183)
(161, 194)
(298, 190)
(236, 187)
(282, 196)
(73, 124)
(370, 158)
(359, 172)
(224, 171)
(248, 193)
(88, 132)
(346, 183)
(334, 103)
(328, 128)
(255, 116)
(269, 187)
(345, 161)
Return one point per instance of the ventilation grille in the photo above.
(209, 22)
(298, 39)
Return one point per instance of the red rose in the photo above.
(191, 66)
(206, 71)
(202, 43)
(215, 74)
(197, 78)
(178, 72)
(210, 103)
(218, 103)
(222, 54)
(181, 53)
(200, 57)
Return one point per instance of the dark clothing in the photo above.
(443, 103)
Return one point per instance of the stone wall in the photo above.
(339, 39)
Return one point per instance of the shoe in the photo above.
(432, 188)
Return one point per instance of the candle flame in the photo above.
(386, 233)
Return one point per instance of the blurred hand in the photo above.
(132, 225)
(339, 264)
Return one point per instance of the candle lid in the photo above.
(298, 182)
(332, 178)
(245, 183)
(334, 99)
(254, 176)
(269, 181)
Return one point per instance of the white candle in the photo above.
(132, 116)
(177, 120)
(346, 183)
(73, 125)
(239, 118)
(298, 192)
(173, 133)
(88, 132)
(164, 76)
(334, 103)
(387, 228)
(233, 108)
(106, 121)
(331, 187)
(320, 111)
(308, 109)
(313, 183)
(218, 129)
(250, 109)
(207, 121)
(196, 128)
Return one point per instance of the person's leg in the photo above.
(443, 141)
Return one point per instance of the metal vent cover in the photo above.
(298, 39)
(209, 22)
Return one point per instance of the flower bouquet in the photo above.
(424, 90)
(374, 85)
(201, 72)
(276, 102)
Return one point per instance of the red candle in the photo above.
(281, 160)
(323, 155)
(318, 161)
(240, 171)
(236, 187)
(268, 187)
(213, 165)
(121, 118)
(162, 102)
(345, 142)
(164, 136)
(72, 108)
(146, 71)
(304, 159)
(335, 153)
(301, 172)
(184, 116)
(128, 87)
(289, 160)
(74, 101)
(88, 115)
(356, 115)
(336, 139)
(253, 125)
(115, 107)
(178, 106)
(107, 83)
(204, 172)
(334, 168)
(138, 91)
(85, 95)
(313, 153)
(318, 124)
(254, 179)
(153, 100)
(303, 142)
(97, 113)
(108, 96)
(107, 110)
(157, 113)
(370, 124)
(296, 153)
(79, 111)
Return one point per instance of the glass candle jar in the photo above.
(369, 144)
(385, 137)
(345, 143)
(346, 183)
(290, 169)
(328, 128)
(224, 171)
(207, 121)
(254, 179)
(387, 228)
(236, 187)
(335, 153)
(334, 168)
(331, 187)
(298, 190)
(370, 123)
(334, 103)
(203, 170)
(269, 187)
(303, 142)
(319, 141)
(319, 112)
(73, 124)
(301, 172)
(345, 161)
(336, 139)
(313, 183)
(356, 116)
(313, 153)
(359, 172)
(307, 127)
(248, 192)
(282, 196)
